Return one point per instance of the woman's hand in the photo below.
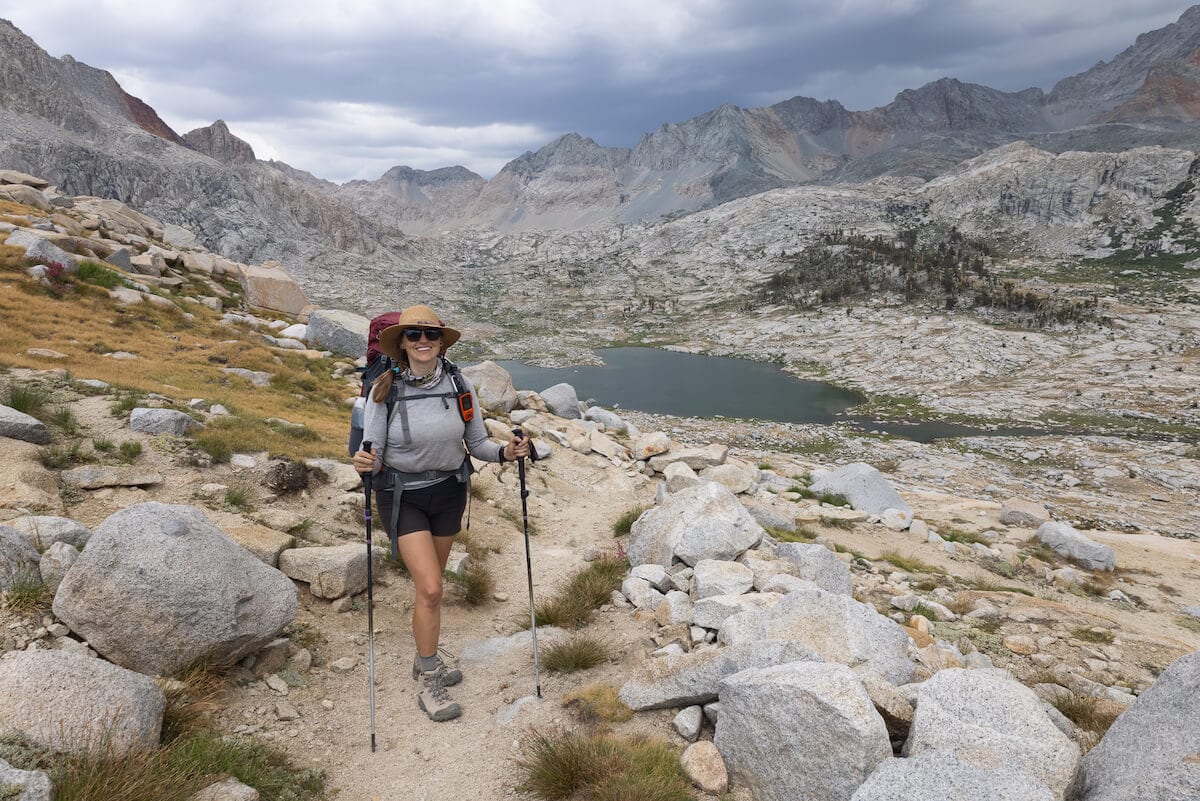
(364, 462)
(517, 448)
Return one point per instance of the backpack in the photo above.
(379, 363)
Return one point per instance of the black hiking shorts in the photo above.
(437, 508)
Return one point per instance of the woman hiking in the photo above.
(421, 424)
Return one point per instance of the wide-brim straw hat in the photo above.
(415, 317)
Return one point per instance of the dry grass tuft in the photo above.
(600, 767)
(579, 652)
(1090, 634)
(28, 594)
(908, 563)
(582, 593)
(477, 582)
(598, 702)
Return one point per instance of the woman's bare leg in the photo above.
(422, 555)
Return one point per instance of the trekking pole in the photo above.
(367, 481)
(537, 678)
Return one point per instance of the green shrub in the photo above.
(909, 564)
(63, 419)
(129, 451)
(1089, 634)
(625, 522)
(91, 272)
(102, 445)
(125, 403)
(238, 499)
(216, 447)
(26, 398)
(801, 534)
(28, 593)
(56, 457)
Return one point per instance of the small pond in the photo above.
(692, 385)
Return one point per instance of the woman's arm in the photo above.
(375, 424)
(478, 443)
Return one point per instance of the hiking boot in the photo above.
(433, 698)
(451, 675)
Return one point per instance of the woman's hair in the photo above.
(381, 386)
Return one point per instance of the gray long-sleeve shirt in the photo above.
(436, 431)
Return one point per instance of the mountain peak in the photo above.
(218, 142)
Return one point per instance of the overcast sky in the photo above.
(349, 88)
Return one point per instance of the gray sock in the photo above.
(427, 663)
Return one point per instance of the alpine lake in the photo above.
(692, 385)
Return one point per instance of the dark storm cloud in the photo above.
(351, 94)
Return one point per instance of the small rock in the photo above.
(277, 684)
(285, 711)
(704, 766)
(344, 665)
(1020, 644)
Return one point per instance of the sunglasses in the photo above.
(414, 334)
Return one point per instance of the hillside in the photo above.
(964, 578)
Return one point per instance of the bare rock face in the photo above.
(27, 785)
(1149, 752)
(269, 286)
(989, 711)
(801, 730)
(159, 586)
(493, 385)
(836, 626)
(18, 425)
(218, 142)
(952, 775)
(71, 702)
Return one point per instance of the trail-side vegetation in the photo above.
(919, 266)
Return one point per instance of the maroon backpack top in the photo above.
(385, 320)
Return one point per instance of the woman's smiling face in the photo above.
(422, 354)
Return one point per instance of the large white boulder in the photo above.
(160, 586)
(269, 286)
(18, 425)
(331, 572)
(951, 775)
(338, 331)
(836, 626)
(718, 577)
(695, 678)
(802, 730)
(817, 564)
(562, 400)
(493, 386)
(70, 702)
(162, 421)
(1069, 543)
(1150, 751)
(989, 711)
(701, 522)
(865, 487)
(45, 530)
